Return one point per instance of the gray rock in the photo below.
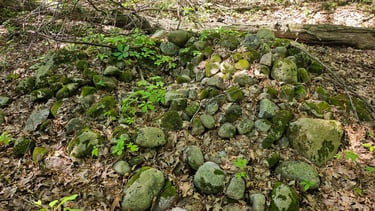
(266, 59)
(83, 143)
(267, 108)
(233, 112)
(194, 157)
(285, 70)
(112, 71)
(22, 145)
(74, 125)
(300, 171)
(150, 137)
(207, 120)
(169, 49)
(121, 167)
(179, 37)
(209, 178)
(236, 188)
(283, 197)
(265, 34)
(263, 125)
(104, 82)
(316, 139)
(245, 126)
(67, 90)
(35, 119)
(4, 101)
(144, 187)
(227, 130)
(173, 94)
(215, 81)
(258, 201)
(245, 80)
(197, 127)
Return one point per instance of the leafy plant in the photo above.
(95, 151)
(241, 164)
(120, 146)
(351, 155)
(369, 146)
(144, 99)
(306, 184)
(57, 204)
(5, 138)
(370, 169)
(122, 52)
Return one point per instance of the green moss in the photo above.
(250, 55)
(169, 190)
(55, 107)
(234, 94)
(315, 67)
(171, 120)
(323, 94)
(242, 64)
(82, 65)
(273, 160)
(98, 110)
(300, 92)
(324, 151)
(303, 75)
(192, 108)
(236, 56)
(219, 172)
(272, 91)
(361, 109)
(39, 153)
(87, 90)
(287, 92)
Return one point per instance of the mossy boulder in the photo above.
(303, 75)
(287, 92)
(55, 108)
(192, 108)
(178, 104)
(194, 157)
(236, 188)
(112, 70)
(168, 48)
(171, 120)
(35, 119)
(122, 167)
(42, 94)
(245, 126)
(4, 101)
(230, 42)
(285, 70)
(245, 80)
(242, 64)
(300, 171)
(266, 59)
(316, 139)
(265, 35)
(104, 105)
(22, 145)
(317, 108)
(211, 68)
(142, 189)
(300, 92)
(87, 90)
(150, 137)
(209, 178)
(103, 82)
(227, 130)
(267, 108)
(197, 127)
(207, 120)
(74, 125)
(179, 37)
(315, 67)
(167, 197)
(67, 90)
(83, 143)
(234, 94)
(284, 198)
(39, 153)
(216, 81)
(26, 85)
(233, 113)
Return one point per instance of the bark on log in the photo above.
(362, 38)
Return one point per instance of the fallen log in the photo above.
(328, 34)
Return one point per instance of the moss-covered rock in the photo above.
(35, 119)
(300, 92)
(284, 198)
(211, 68)
(230, 42)
(216, 81)
(315, 67)
(209, 178)
(39, 153)
(169, 49)
(55, 108)
(303, 75)
(41, 94)
(233, 113)
(194, 157)
(179, 37)
(103, 82)
(104, 105)
(234, 94)
(285, 70)
(4, 101)
(317, 108)
(67, 90)
(227, 130)
(83, 143)
(287, 92)
(316, 139)
(207, 120)
(242, 64)
(171, 120)
(192, 108)
(87, 90)
(197, 127)
(150, 137)
(22, 145)
(273, 160)
(280, 123)
(26, 85)
(265, 35)
(245, 80)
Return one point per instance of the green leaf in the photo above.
(53, 203)
(370, 168)
(67, 198)
(351, 155)
(38, 203)
(240, 163)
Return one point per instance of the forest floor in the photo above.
(346, 185)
